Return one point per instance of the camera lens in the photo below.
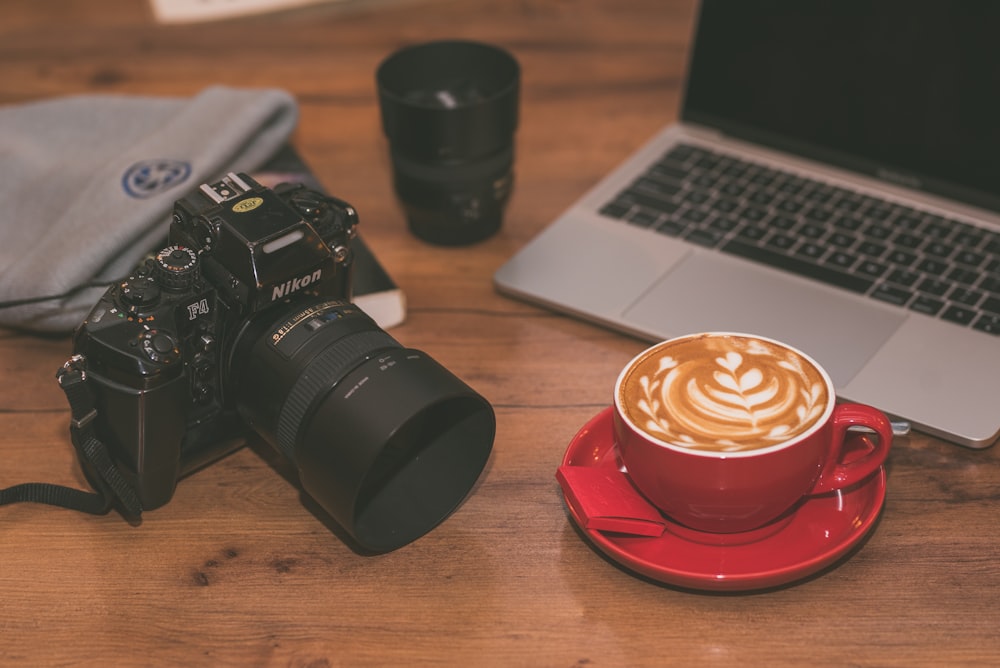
(449, 110)
(384, 439)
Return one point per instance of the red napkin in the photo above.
(605, 500)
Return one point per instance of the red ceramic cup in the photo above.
(729, 492)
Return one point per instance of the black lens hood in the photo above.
(449, 100)
(391, 451)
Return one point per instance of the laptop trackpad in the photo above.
(707, 292)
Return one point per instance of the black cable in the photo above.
(35, 300)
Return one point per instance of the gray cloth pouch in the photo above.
(87, 184)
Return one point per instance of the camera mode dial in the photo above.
(139, 292)
(159, 346)
(176, 267)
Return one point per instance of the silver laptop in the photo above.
(834, 182)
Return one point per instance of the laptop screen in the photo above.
(904, 90)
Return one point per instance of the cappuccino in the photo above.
(723, 393)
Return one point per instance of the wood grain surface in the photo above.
(236, 570)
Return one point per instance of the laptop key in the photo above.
(672, 227)
(841, 240)
(704, 181)
(789, 206)
(926, 305)
(892, 294)
(904, 277)
(988, 323)
(782, 223)
(850, 202)
(822, 195)
(901, 258)
(696, 197)
(932, 267)
(960, 275)
(879, 213)
(643, 217)
(708, 238)
(847, 223)
(670, 169)
(723, 224)
(732, 189)
(820, 215)
(695, 215)
(938, 249)
(969, 237)
(970, 258)
(709, 161)
(959, 314)
(908, 240)
(992, 304)
(616, 209)
(797, 266)
(781, 241)
(991, 284)
(968, 297)
(842, 260)
(880, 232)
(872, 269)
(934, 286)
(791, 186)
(681, 152)
(753, 233)
(737, 168)
(812, 231)
(725, 205)
(649, 200)
(664, 188)
(993, 245)
(937, 229)
(811, 250)
(871, 249)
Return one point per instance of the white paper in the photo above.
(189, 11)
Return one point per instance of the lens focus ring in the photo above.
(325, 371)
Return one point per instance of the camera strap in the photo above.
(110, 485)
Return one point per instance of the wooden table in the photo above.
(235, 571)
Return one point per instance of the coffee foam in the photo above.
(725, 393)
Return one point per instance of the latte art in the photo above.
(723, 393)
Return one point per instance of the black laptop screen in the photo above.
(906, 90)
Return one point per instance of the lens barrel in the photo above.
(384, 438)
(450, 110)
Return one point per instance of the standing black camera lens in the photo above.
(449, 110)
(384, 438)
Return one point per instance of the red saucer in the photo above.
(820, 531)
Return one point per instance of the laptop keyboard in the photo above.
(893, 253)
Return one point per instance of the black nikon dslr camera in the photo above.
(245, 320)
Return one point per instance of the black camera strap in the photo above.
(110, 485)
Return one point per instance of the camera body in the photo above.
(244, 323)
(159, 346)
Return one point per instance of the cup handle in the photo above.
(837, 474)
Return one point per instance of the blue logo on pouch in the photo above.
(152, 177)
